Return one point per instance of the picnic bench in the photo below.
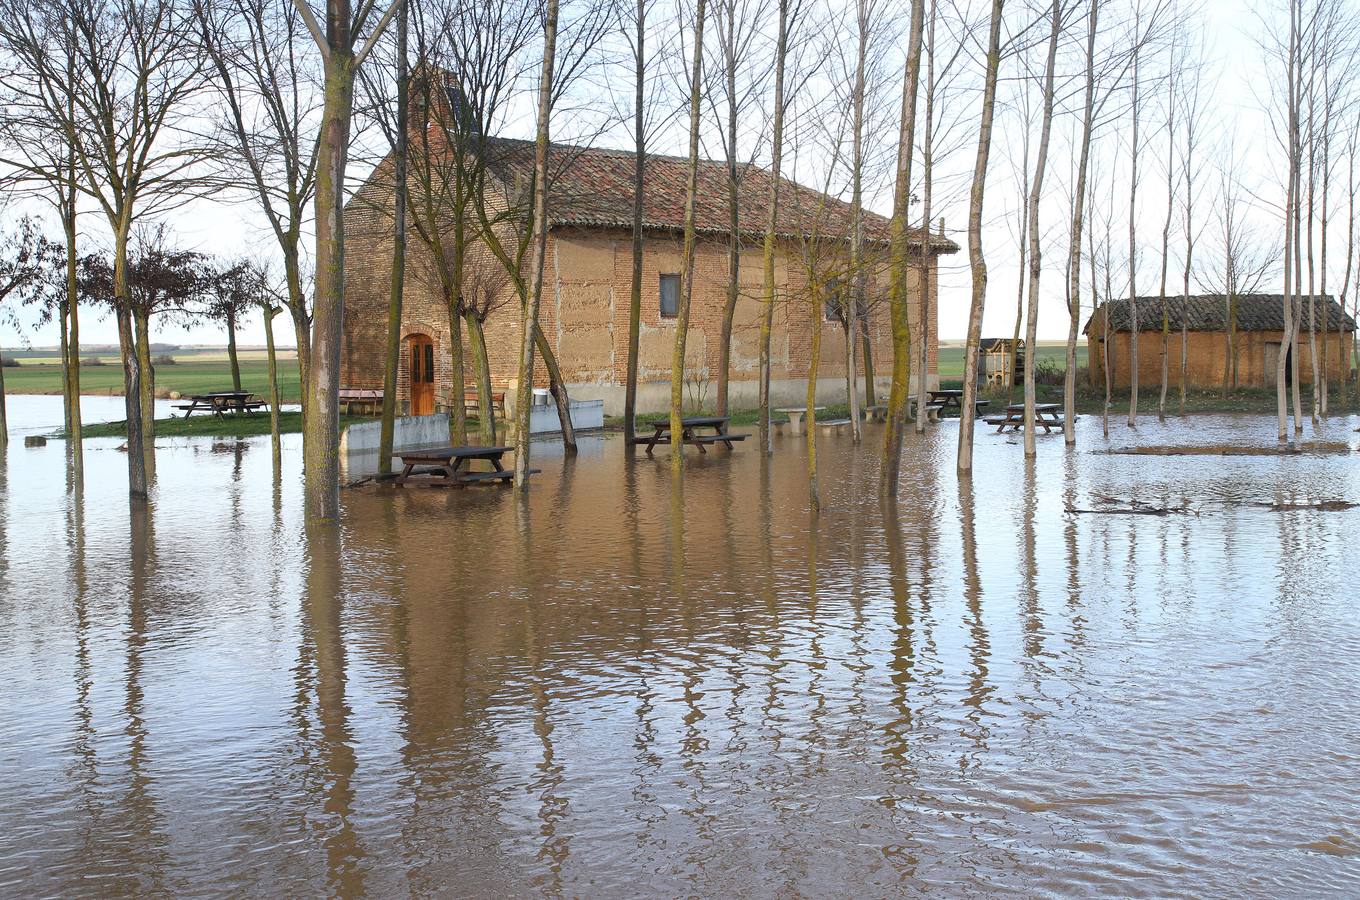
(365, 398)
(447, 466)
(1046, 415)
(947, 398)
(220, 402)
(689, 433)
(878, 412)
(472, 405)
(795, 414)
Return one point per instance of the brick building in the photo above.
(588, 277)
(1258, 338)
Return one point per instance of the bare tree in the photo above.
(687, 253)
(1035, 247)
(788, 13)
(899, 265)
(529, 311)
(977, 260)
(112, 78)
(265, 141)
(342, 55)
(738, 25)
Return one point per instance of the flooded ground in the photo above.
(620, 688)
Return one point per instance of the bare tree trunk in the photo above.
(1134, 325)
(74, 438)
(64, 348)
(687, 258)
(639, 172)
(977, 260)
(1166, 231)
(771, 225)
(927, 177)
(392, 357)
(231, 351)
(1078, 222)
(1281, 364)
(1035, 248)
(814, 359)
(733, 217)
(481, 370)
(557, 387)
(275, 442)
(321, 434)
(855, 306)
(1343, 359)
(900, 267)
(529, 324)
(147, 383)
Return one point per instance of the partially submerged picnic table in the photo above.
(690, 433)
(219, 402)
(447, 466)
(1046, 415)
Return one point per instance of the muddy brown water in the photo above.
(621, 688)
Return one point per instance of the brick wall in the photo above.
(584, 312)
(1208, 354)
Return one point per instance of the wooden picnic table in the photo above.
(447, 466)
(1046, 415)
(661, 433)
(219, 402)
(946, 398)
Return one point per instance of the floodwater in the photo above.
(619, 688)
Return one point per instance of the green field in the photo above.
(248, 425)
(192, 373)
(951, 356)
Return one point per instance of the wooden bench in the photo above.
(367, 398)
(472, 404)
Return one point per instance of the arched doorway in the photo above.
(420, 373)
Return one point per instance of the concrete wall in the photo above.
(408, 432)
(1207, 358)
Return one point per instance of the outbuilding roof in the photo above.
(594, 187)
(1209, 312)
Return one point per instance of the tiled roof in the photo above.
(1209, 312)
(594, 187)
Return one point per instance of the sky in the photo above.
(1235, 79)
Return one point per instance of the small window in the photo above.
(670, 296)
(832, 309)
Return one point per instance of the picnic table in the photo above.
(365, 398)
(447, 466)
(795, 414)
(219, 402)
(948, 397)
(1046, 415)
(689, 433)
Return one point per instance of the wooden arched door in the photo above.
(420, 374)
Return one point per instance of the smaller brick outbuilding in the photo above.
(1256, 338)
